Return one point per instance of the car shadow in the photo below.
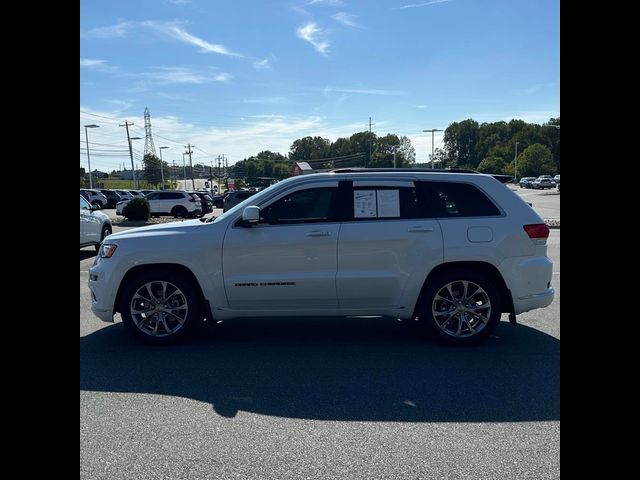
(86, 253)
(327, 369)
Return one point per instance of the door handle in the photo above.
(318, 233)
(420, 229)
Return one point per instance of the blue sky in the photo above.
(238, 77)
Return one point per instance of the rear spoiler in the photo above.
(502, 178)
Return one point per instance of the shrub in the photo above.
(137, 209)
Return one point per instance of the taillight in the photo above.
(537, 230)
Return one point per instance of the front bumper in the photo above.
(102, 294)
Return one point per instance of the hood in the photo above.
(163, 229)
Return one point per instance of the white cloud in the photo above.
(269, 100)
(167, 75)
(98, 65)
(261, 64)
(91, 62)
(182, 35)
(421, 106)
(329, 3)
(363, 91)
(346, 19)
(222, 77)
(118, 30)
(179, 2)
(174, 30)
(121, 104)
(539, 86)
(415, 5)
(174, 97)
(310, 33)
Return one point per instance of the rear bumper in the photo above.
(533, 301)
(529, 280)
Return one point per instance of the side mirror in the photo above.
(250, 214)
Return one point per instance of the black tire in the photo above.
(190, 294)
(179, 212)
(219, 204)
(106, 231)
(443, 327)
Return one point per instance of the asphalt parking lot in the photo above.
(357, 399)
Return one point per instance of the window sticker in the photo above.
(364, 203)
(388, 203)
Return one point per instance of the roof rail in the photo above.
(438, 170)
(501, 178)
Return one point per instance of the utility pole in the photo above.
(189, 152)
(433, 130)
(126, 125)
(370, 142)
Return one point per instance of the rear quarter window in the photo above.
(456, 199)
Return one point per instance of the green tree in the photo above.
(460, 140)
(536, 160)
(492, 165)
(152, 172)
(310, 148)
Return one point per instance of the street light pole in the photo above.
(433, 130)
(161, 167)
(515, 166)
(86, 139)
(184, 171)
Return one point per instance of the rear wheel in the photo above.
(179, 212)
(461, 307)
(160, 307)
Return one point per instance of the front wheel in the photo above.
(160, 307)
(461, 307)
(106, 231)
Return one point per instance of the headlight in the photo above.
(106, 250)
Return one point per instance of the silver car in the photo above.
(95, 226)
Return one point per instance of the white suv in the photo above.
(455, 250)
(175, 203)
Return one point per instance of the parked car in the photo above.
(136, 193)
(542, 183)
(147, 192)
(206, 200)
(455, 250)
(169, 202)
(235, 197)
(556, 179)
(94, 226)
(94, 197)
(112, 197)
(125, 194)
(525, 182)
(218, 200)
